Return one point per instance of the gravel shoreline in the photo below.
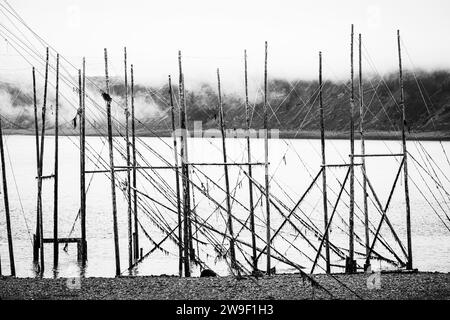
(394, 286)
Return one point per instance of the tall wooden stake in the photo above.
(135, 197)
(195, 219)
(82, 79)
(41, 165)
(36, 132)
(6, 201)
(266, 161)
(177, 181)
(351, 265)
(409, 264)
(111, 163)
(185, 170)
(188, 181)
(56, 177)
(250, 176)
(324, 171)
(363, 152)
(227, 178)
(127, 138)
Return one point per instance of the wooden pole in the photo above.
(83, 124)
(185, 171)
(177, 181)
(351, 265)
(196, 221)
(250, 176)
(135, 197)
(36, 132)
(266, 160)
(127, 138)
(56, 176)
(81, 76)
(6, 201)
(111, 163)
(188, 181)
(363, 153)
(324, 171)
(41, 165)
(409, 263)
(227, 178)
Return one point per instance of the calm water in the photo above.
(293, 164)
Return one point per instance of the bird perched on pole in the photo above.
(106, 97)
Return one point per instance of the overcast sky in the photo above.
(214, 34)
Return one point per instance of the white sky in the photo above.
(214, 34)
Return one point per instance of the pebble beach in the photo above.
(391, 286)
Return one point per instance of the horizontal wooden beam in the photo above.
(227, 164)
(46, 177)
(102, 171)
(146, 168)
(63, 240)
(377, 155)
(344, 165)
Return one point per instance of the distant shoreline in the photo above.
(288, 134)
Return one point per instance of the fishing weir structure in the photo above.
(174, 206)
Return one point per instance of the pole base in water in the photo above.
(82, 251)
(350, 266)
(35, 249)
(409, 266)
